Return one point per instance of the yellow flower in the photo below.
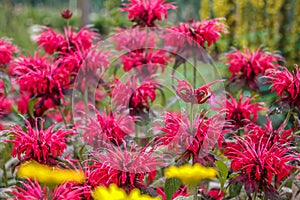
(115, 193)
(49, 175)
(190, 175)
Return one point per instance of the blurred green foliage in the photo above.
(18, 21)
(274, 24)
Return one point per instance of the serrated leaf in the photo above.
(171, 185)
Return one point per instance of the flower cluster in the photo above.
(241, 112)
(145, 12)
(248, 65)
(148, 135)
(196, 96)
(6, 52)
(286, 85)
(196, 33)
(38, 144)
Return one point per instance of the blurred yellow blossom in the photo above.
(190, 175)
(49, 175)
(115, 193)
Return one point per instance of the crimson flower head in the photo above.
(109, 128)
(286, 85)
(66, 14)
(248, 65)
(37, 143)
(268, 132)
(30, 189)
(240, 112)
(71, 41)
(258, 162)
(38, 77)
(190, 95)
(51, 41)
(188, 139)
(6, 51)
(142, 96)
(146, 63)
(134, 39)
(145, 12)
(5, 104)
(195, 33)
(125, 168)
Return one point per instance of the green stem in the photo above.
(195, 72)
(85, 98)
(62, 115)
(191, 117)
(254, 195)
(195, 196)
(184, 70)
(72, 109)
(4, 176)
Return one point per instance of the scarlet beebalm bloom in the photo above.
(6, 51)
(179, 136)
(108, 128)
(248, 65)
(37, 143)
(241, 112)
(145, 12)
(268, 132)
(88, 61)
(66, 13)
(195, 33)
(145, 62)
(125, 168)
(5, 103)
(286, 85)
(30, 190)
(260, 160)
(196, 96)
(38, 77)
(69, 42)
(134, 39)
(139, 103)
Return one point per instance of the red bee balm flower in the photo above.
(38, 144)
(248, 66)
(286, 85)
(188, 34)
(262, 160)
(197, 96)
(145, 12)
(241, 112)
(126, 168)
(6, 51)
(30, 190)
(37, 76)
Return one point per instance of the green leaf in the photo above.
(223, 172)
(235, 189)
(171, 185)
(7, 85)
(31, 104)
